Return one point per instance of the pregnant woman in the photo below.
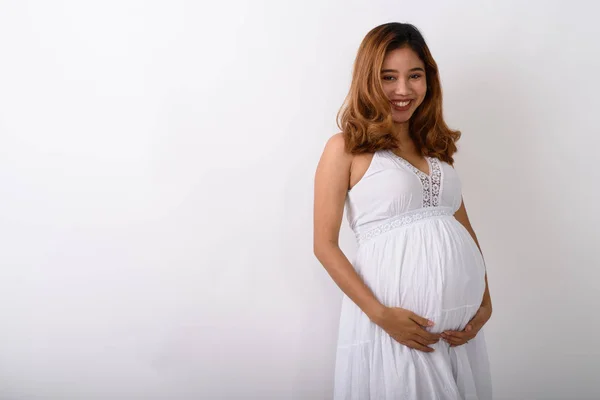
(416, 294)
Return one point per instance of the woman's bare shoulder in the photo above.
(337, 142)
(335, 149)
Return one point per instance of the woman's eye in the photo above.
(390, 78)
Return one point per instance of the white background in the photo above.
(156, 180)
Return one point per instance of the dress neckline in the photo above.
(412, 167)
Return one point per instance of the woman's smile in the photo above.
(401, 105)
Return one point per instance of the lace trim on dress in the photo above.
(436, 181)
(431, 184)
(402, 220)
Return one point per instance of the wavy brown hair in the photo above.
(365, 118)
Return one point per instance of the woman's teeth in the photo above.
(401, 103)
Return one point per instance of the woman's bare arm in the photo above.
(331, 185)
(463, 218)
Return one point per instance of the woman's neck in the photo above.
(405, 142)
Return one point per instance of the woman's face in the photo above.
(403, 80)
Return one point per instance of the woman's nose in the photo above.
(402, 87)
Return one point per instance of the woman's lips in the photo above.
(405, 108)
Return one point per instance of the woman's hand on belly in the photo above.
(457, 338)
(406, 328)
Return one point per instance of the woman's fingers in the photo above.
(459, 334)
(422, 334)
(423, 340)
(457, 337)
(418, 344)
(454, 341)
(420, 320)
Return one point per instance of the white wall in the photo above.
(156, 172)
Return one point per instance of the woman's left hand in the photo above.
(457, 338)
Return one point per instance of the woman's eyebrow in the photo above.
(395, 70)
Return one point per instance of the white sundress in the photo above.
(412, 253)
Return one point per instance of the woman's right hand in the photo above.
(406, 327)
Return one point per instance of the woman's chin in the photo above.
(400, 120)
(401, 117)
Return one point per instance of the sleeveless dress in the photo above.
(412, 253)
